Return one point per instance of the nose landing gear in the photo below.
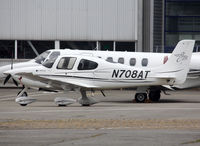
(23, 99)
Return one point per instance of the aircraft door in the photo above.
(86, 68)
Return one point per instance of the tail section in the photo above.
(178, 64)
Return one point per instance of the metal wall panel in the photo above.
(158, 19)
(69, 19)
(5, 20)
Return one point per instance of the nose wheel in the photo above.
(23, 99)
(23, 104)
(25, 94)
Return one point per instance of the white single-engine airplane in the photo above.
(92, 73)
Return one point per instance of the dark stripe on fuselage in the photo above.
(171, 71)
(102, 79)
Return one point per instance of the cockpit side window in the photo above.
(66, 63)
(54, 55)
(49, 63)
(87, 65)
(40, 59)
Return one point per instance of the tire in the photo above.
(140, 97)
(85, 104)
(154, 96)
(61, 105)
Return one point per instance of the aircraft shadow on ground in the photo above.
(162, 101)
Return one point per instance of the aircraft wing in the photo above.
(57, 81)
(30, 76)
(69, 81)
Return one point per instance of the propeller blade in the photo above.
(15, 82)
(103, 93)
(7, 78)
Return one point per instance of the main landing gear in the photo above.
(154, 95)
(141, 95)
(85, 100)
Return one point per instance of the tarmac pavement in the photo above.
(115, 120)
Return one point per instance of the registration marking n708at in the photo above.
(130, 74)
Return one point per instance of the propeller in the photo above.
(15, 82)
(103, 93)
(7, 78)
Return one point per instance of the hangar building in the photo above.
(29, 27)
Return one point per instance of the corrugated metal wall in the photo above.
(147, 26)
(69, 19)
(158, 26)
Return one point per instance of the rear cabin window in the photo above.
(144, 62)
(121, 60)
(66, 63)
(132, 62)
(110, 59)
(87, 65)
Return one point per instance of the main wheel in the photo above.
(140, 97)
(154, 96)
(85, 104)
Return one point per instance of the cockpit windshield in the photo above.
(40, 59)
(49, 63)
